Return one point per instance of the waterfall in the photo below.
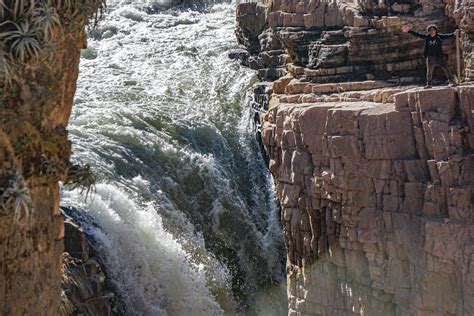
(185, 214)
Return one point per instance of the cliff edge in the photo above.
(39, 58)
(374, 175)
(377, 204)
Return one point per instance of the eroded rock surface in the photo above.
(375, 176)
(332, 41)
(377, 201)
(39, 58)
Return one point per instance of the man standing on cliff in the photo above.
(433, 51)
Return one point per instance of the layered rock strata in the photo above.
(333, 41)
(377, 199)
(375, 176)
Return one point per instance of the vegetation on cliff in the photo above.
(30, 33)
(28, 28)
(39, 58)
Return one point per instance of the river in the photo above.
(184, 213)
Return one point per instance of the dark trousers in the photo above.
(431, 63)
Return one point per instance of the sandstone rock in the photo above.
(251, 20)
(377, 174)
(34, 154)
(321, 35)
(375, 201)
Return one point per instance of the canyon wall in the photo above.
(376, 197)
(375, 176)
(330, 41)
(41, 43)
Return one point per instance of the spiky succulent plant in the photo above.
(23, 41)
(45, 19)
(50, 166)
(15, 196)
(27, 26)
(81, 177)
(3, 8)
(5, 68)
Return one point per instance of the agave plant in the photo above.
(26, 28)
(3, 9)
(81, 177)
(16, 196)
(50, 166)
(45, 18)
(23, 40)
(22, 8)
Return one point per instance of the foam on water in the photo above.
(185, 203)
(151, 271)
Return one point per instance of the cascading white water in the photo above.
(184, 213)
(152, 272)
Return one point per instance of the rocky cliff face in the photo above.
(331, 41)
(375, 177)
(39, 59)
(377, 201)
(85, 284)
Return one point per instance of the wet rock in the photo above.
(85, 284)
(239, 54)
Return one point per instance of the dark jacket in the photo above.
(433, 45)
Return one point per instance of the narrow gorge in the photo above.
(374, 174)
(218, 157)
(182, 219)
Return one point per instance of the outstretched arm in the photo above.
(406, 29)
(450, 35)
(416, 34)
